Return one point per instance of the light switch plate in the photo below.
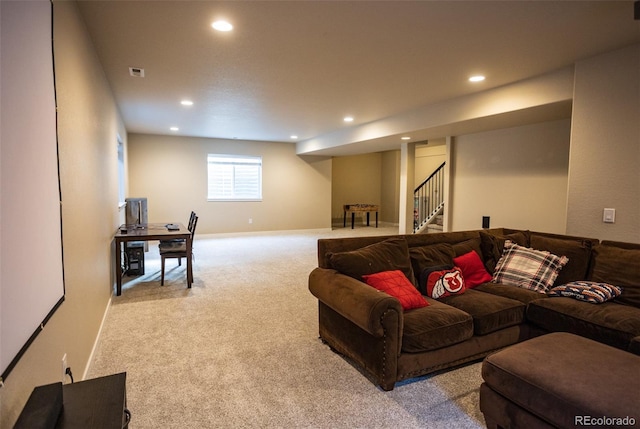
(609, 216)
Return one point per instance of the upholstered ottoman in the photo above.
(560, 380)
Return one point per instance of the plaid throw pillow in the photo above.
(528, 268)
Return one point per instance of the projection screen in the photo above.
(32, 279)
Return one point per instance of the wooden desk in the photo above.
(353, 208)
(149, 232)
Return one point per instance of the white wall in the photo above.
(171, 172)
(517, 176)
(605, 147)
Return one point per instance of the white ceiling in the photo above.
(298, 67)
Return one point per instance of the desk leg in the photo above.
(118, 267)
(189, 263)
(368, 213)
(376, 219)
(353, 218)
(344, 220)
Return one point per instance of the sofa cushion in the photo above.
(576, 249)
(523, 295)
(431, 256)
(437, 282)
(610, 323)
(467, 246)
(396, 284)
(489, 312)
(592, 292)
(390, 254)
(436, 326)
(472, 268)
(528, 268)
(493, 245)
(617, 264)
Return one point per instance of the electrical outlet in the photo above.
(64, 368)
(250, 220)
(609, 216)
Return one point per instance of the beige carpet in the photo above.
(241, 348)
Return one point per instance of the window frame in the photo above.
(234, 161)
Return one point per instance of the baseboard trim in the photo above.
(96, 341)
(254, 233)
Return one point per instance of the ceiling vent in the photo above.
(136, 72)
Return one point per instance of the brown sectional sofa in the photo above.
(389, 344)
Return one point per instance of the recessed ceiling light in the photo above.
(293, 137)
(477, 78)
(405, 138)
(186, 103)
(222, 26)
(174, 129)
(348, 119)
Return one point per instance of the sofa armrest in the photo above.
(353, 299)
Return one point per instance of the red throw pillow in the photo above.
(445, 283)
(473, 269)
(396, 284)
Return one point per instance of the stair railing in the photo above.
(428, 199)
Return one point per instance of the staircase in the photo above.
(428, 203)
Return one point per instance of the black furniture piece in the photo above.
(134, 258)
(99, 403)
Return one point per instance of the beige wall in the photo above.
(605, 147)
(172, 173)
(88, 124)
(517, 176)
(355, 180)
(390, 187)
(370, 178)
(428, 159)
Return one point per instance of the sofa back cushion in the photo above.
(577, 249)
(434, 255)
(618, 264)
(390, 254)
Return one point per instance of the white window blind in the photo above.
(234, 177)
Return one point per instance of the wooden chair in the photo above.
(176, 249)
(192, 216)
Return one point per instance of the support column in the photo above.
(448, 168)
(407, 179)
